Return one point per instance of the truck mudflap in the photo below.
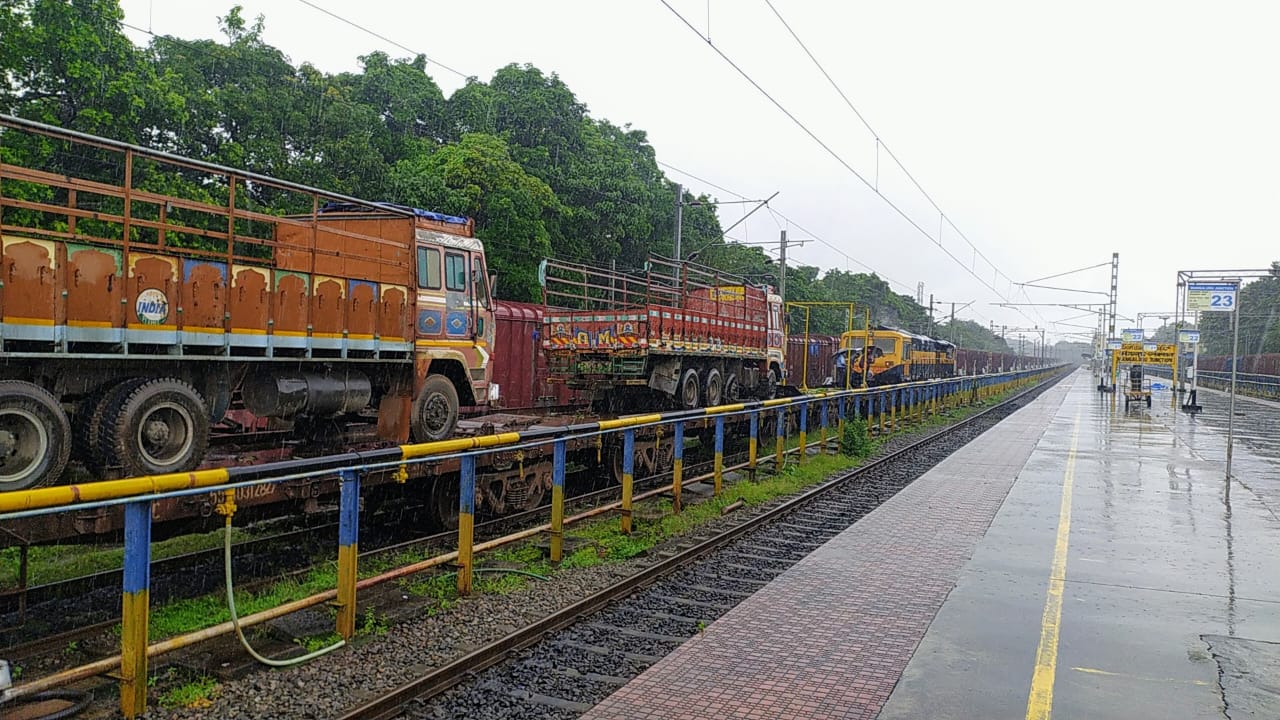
(665, 376)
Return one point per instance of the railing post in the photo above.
(780, 460)
(804, 430)
(719, 462)
(824, 405)
(677, 466)
(880, 410)
(466, 521)
(628, 476)
(841, 409)
(557, 500)
(348, 542)
(895, 396)
(753, 443)
(136, 608)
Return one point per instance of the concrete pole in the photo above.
(782, 274)
(679, 219)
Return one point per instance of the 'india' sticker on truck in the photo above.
(152, 307)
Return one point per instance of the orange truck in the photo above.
(143, 294)
(675, 334)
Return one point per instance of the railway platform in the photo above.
(1075, 560)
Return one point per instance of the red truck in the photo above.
(673, 334)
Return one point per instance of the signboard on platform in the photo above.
(1190, 337)
(1115, 344)
(1137, 353)
(1212, 297)
(1133, 334)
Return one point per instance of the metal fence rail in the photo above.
(885, 409)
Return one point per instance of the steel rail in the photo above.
(391, 704)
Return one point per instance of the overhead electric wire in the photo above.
(879, 140)
(774, 213)
(836, 156)
(383, 38)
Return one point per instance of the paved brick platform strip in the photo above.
(830, 637)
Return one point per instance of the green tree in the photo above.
(477, 177)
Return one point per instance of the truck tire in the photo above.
(690, 393)
(713, 391)
(732, 389)
(35, 436)
(94, 435)
(435, 410)
(158, 426)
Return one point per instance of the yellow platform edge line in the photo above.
(1040, 699)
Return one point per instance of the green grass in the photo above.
(182, 616)
(197, 693)
(51, 563)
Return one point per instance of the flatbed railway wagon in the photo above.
(131, 319)
(675, 334)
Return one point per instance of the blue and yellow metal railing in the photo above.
(136, 495)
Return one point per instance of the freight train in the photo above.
(817, 360)
(134, 322)
(138, 324)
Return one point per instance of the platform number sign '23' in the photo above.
(1212, 297)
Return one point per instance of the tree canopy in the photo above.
(520, 153)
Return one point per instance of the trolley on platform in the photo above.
(1139, 388)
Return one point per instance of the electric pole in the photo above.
(679, 218)
(953, 323)
(932, 327)
(782, 272)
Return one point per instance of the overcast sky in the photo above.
(1050, 135)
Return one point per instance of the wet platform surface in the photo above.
(1076, 560)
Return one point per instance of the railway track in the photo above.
(82, 606)
(570, 660)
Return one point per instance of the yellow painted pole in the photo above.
(628, 477)
(557, 500)
(677, 466)
(135, 609)
(466, 523)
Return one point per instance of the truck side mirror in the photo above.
(493, 284)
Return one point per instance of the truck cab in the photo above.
(453, 325)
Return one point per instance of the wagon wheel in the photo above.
(444, 502)
(35, 436)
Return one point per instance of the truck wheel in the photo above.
(158, 426)
(689, 391)
(435, 410)
(714, 391)
(35, 436)
(771, 384)
(732, 389)
(93, 435)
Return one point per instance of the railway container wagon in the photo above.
(132, 318)
(673, 335)
(520, 366)
(1266, 364)
(811, 360)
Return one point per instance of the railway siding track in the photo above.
(566, 662)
